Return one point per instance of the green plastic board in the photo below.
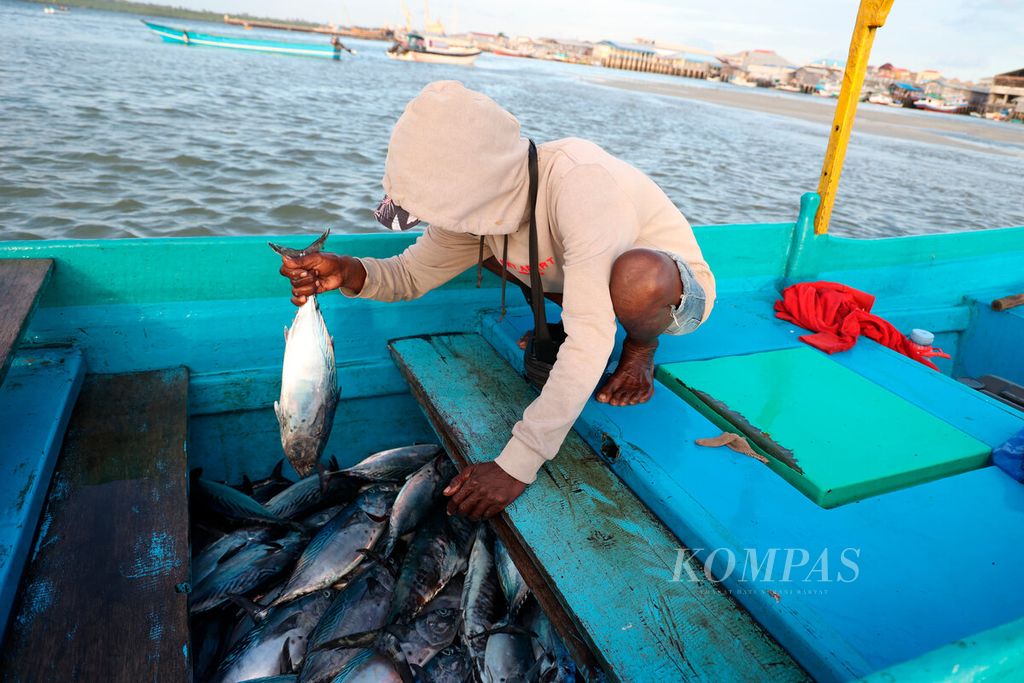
(833, 434)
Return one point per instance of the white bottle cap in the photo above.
(922, 337)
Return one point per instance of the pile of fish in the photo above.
(359, 575)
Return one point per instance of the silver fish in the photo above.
(479, 597)
(413, 645)
(282, 678)
(362, 606)
(512, 584)
(318, 520)
(451, 665)
(394, 464)
(438, 552)
(309, 380)
(369, 666)
(508, 658)
(416, 498)
(311, 492)
(253, 567)
(434, 629)
(264, 489)
(337, 549)
(207, 561)
(277, 642)
(231, 504)
(555, 662)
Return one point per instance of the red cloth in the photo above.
(839, 314)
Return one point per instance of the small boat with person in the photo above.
(432, 49)
(189, 38)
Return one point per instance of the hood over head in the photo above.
(457, 160)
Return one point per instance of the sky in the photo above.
(968, 39)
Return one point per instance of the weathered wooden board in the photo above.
(98, 600)
(601, 564)
(21, 280)
(35, 405)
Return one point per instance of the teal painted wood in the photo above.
(716, 499)
(994, 656)
(35, 404)
(984, 418)
(992, 346)
(193, 38)
(228, 445)
(610, 562)
(234, 347)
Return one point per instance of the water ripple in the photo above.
(107, 132)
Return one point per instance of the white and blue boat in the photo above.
(189, 38)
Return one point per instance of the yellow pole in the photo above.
(870, 17)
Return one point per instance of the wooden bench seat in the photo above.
(21, 281)
(98, 601)
(598, 560)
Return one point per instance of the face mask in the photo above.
(394, 217)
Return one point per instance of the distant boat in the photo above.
(504, 52)
(788, 88)
(743, 82)
(883, 98)
(432, 49)
(191, 38)
(940, 105)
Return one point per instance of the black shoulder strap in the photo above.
(541, 334)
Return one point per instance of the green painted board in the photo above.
(833, 434)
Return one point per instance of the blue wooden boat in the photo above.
(650, 552)
(181, 36)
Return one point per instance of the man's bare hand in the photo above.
(482, 491)
(321, 272)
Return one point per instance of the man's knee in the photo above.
(643, 280)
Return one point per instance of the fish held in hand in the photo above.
(309, 380)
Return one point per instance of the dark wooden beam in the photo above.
(98, 600)
(21, 281)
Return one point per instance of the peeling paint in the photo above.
(153, 556)
(38, 598)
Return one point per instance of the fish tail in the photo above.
(313, 248)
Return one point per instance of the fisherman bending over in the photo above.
(610, 243)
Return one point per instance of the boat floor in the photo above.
(912, 591)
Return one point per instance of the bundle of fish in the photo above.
(358, 575)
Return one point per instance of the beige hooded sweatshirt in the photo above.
(457, 161)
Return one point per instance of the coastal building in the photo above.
(763, 66)
(808, 78)
(651, 58)
(1006, 95)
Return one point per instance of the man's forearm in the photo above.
(354, 274)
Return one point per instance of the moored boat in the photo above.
(940, 105)
(432, 49)
(189, 38)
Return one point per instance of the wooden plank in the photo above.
(21, 280)
(98, 601)
(35, 405)
(600, 563)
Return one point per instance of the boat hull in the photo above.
(192, 38)
(435, 57)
